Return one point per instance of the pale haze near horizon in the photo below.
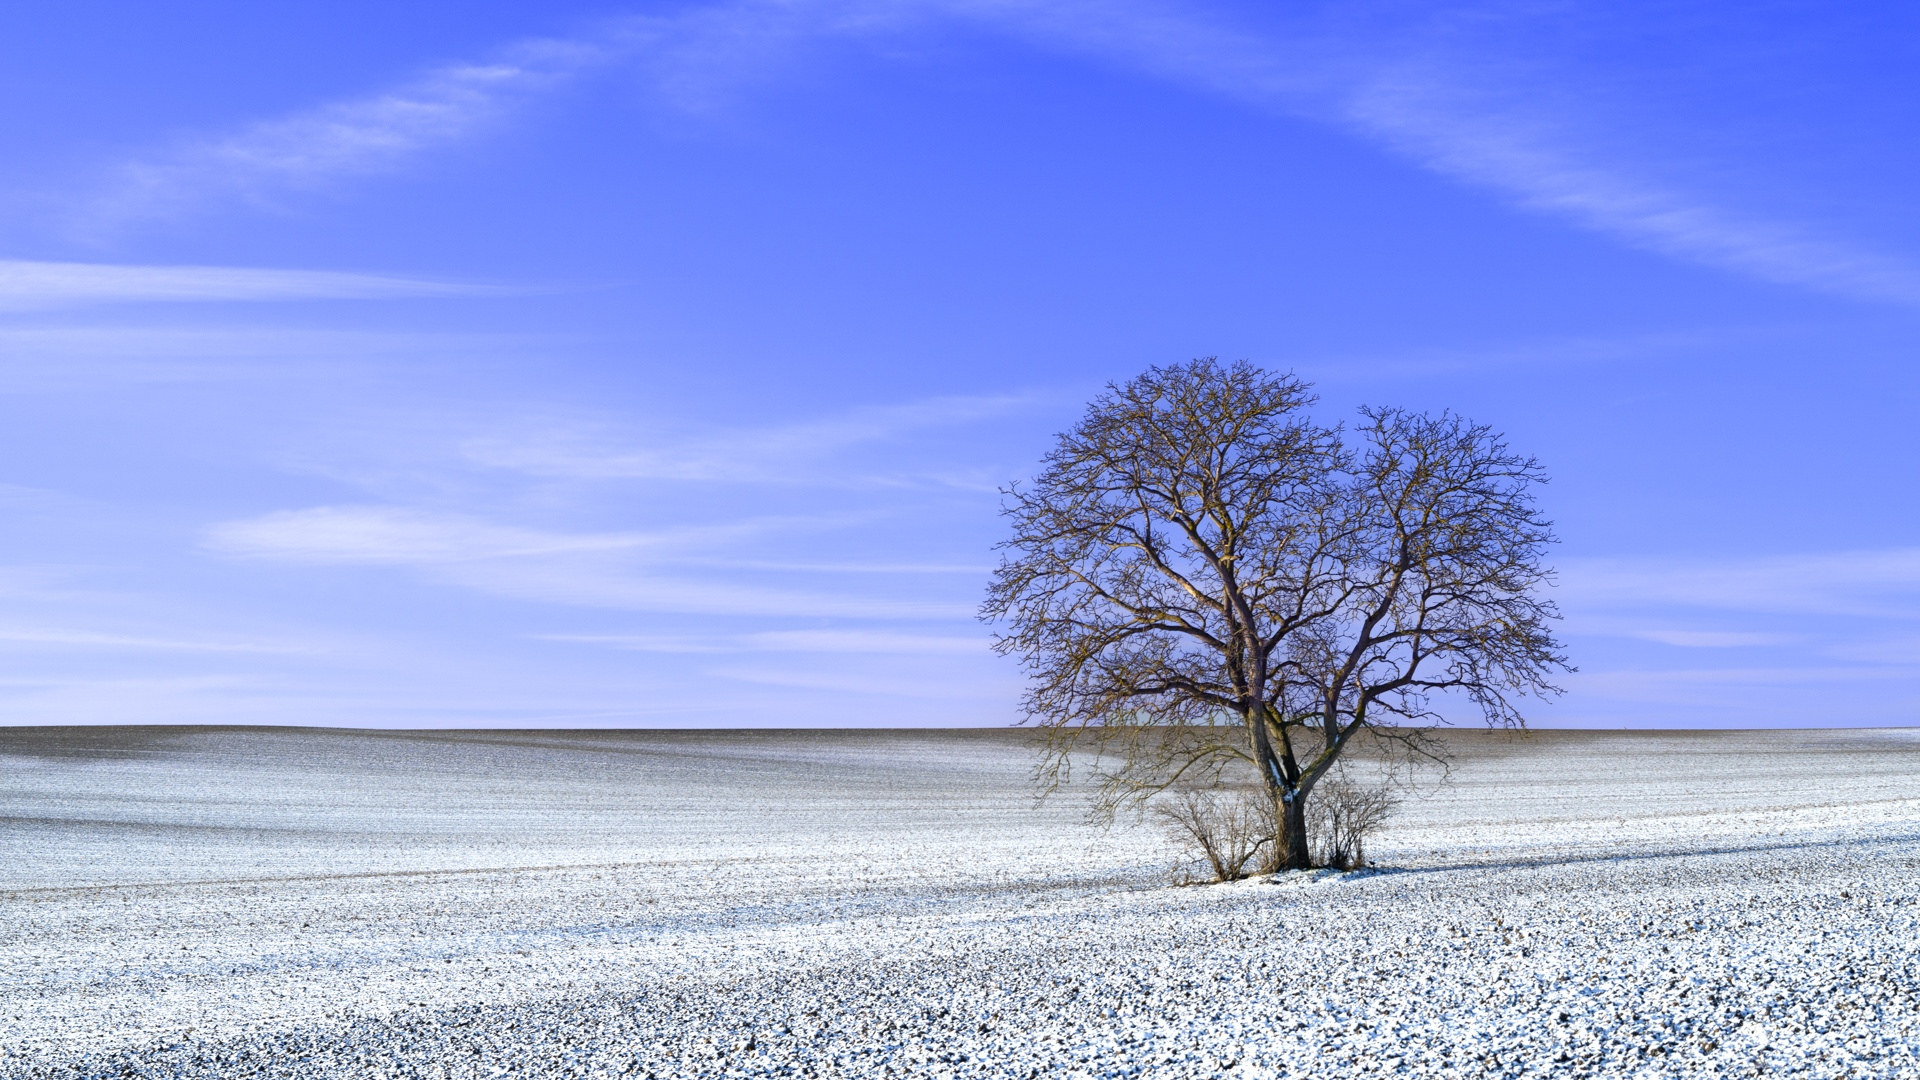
(582, 365)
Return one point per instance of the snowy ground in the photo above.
(178, 902)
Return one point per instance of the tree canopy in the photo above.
(1202, 573)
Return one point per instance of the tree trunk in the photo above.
(1291, 845)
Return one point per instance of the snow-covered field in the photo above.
(185, 902)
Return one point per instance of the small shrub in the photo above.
(1341, 813)
(1227, 830)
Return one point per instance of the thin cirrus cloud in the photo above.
(1545, 168)
(1536, 354)
(977, 570)
(630, 571)
(264, 162)
(1476, 109)
(88, 356)
(596, 583)
(77, 342)
(1903, 649)
(838, 642)
(1850, 613)
(1479, 109)
(786, 453)
(1741, 693)
(688, 57)
(36, 285)
(869, 684)
(393, 536)
(92, 640)
(1714, 639)
(1874, 584)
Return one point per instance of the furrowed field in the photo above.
(238, 902)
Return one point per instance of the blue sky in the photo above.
(656, 365)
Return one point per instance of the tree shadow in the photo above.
(1629, 857)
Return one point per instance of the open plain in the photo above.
(298, 902)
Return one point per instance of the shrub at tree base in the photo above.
(1227, 830)
(1224, 830)
(1343, 813)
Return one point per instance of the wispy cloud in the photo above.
(1542, 163)
(504, 698)
(1754, 676)
(1732, 687)
(1484, 109)
(590, 583)
(1823, 619)
(89, 639)
(481, 519)
(312, 150)
(1480, 110)
(852, 641)
(781, 454)
(631, 570)
(37, 285)
(878, 685)
(1714, 639)
(1877, 584)
(398, 536)
(979, 570)
(787, 641)
(69, 356)
(690, 58)
(1898, 649)
(1535, 354)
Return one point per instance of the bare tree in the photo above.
(1201, 574)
